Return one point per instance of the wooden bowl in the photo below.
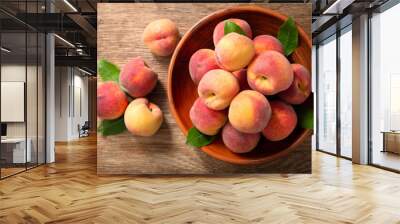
(182, 92)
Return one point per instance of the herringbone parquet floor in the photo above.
(70, 192)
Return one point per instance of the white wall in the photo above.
(16, 73)
(71, 93)
(33, 127)
(61, 103)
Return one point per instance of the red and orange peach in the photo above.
(217, 89)
(219, 30)
(111, 100)
(267, 43)
(234, 51)
(300, 88)
(249, 112)
(283, 121)
(206, 120)
(136, 78)
(237, 141)
(161, 37)
(270, 73)
(200, 63)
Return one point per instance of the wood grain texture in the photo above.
(120, 28)
(70, 191)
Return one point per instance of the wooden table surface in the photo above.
(120, 27)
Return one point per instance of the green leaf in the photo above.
(305, 116)
(288, 36)
(232, 27)
(108, 71)
(198, 139)
(112, 127)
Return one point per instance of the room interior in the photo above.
(22, 102)
(48, 128)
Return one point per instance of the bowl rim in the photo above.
(253, 8)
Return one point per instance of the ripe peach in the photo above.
(217, 89)
(237, 141)
(137, 79)
(200, 63)
(267, 43)
(282, 123)
(300, 88)
(234, 51)
(219, 30)
(161, 37)
(241, 76)
(143, 118)
(111, 100)
(249, 112)
(206, 120)
(269, 73)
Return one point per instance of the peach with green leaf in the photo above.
(219, 30)
(206, 120)
(267, 43)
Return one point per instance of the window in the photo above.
(385, 89)
(346, 74)
(327, 96)
(22, 101)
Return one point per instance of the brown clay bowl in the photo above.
(182, 92)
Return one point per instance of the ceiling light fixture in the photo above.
(65, 41)
(84, 71)
(337, 7)
(5, 50)
(70, 5)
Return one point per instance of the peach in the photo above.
(111, 100)
(143, 118)
(217, 89)
(206, 120)
(237, 141)
(137, 79)
(269, 73)
(161, 37)
(283, 121)
(300, 88)
(241, 76)
(267, 43)
(249, 112)
(200, 63)
(219, 30)
(234, 51)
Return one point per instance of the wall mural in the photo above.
(204, 88)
